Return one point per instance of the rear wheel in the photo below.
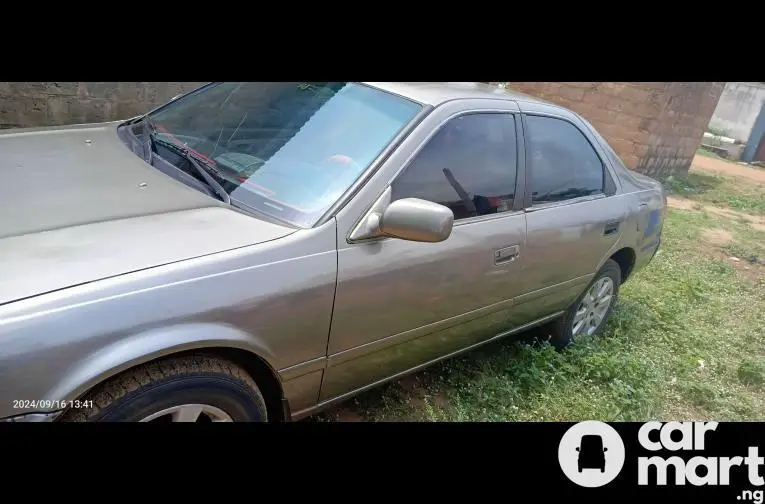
(588, 315)
(194, 388)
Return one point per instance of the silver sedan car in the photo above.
(259, 251)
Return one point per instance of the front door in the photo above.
(400, 304)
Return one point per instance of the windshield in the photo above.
(592, 443)
(287, 149)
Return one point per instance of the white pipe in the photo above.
(721, 139)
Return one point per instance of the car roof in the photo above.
(436, 93)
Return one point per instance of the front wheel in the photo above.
(588, 315)
(195, 388)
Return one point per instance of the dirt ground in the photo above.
(720, 166)
(757, 222)
(707, 164)
(717, 237)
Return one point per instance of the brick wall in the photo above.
(25, 104)
(655, 127)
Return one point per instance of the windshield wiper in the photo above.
(201, 166)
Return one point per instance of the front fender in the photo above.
(150, 345)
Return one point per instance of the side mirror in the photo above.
(418, 220)
(577, 448)
(605, 449)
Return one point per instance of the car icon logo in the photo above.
(582, 453)
(592, 453)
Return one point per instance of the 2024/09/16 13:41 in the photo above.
(51, 404)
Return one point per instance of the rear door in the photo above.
(573, 212)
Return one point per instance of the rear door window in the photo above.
(563, 164)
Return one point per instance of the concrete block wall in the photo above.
(25, 104)
(655, 127)
(739, 106)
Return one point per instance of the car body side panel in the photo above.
(302, 392)
(301, 383)
(566, 241)
(644, 226)
(273, 299)
(61, 258)
(643, 223)
(402, 303)
(154, 343)
(645, 201)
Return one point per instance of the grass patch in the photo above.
(751, 371)
(701, 151)
(748, 253)
(731, 192)
(748, 243)
(684, 343)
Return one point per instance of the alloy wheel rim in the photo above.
(190, 413)
(592, 310)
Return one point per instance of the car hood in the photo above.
(67, 176)
(79, 206)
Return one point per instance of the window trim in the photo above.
(608, 188)
(520, 178)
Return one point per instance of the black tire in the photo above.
(156, 386)
(560, 330)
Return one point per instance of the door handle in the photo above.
(506, 254)
(611, 228)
